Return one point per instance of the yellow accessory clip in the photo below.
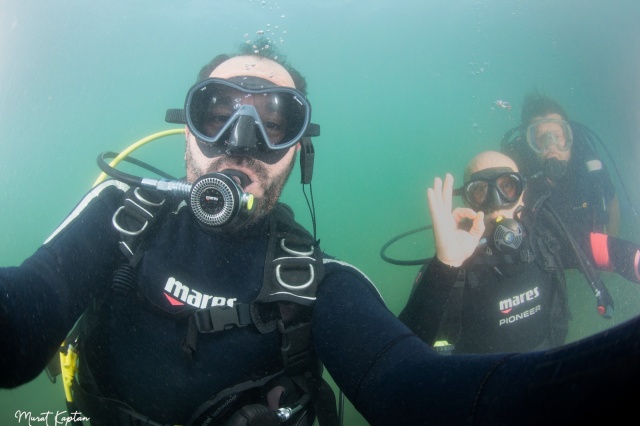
(69, 364)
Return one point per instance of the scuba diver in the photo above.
(510, 293)
(201, 301)
(193, 297)
(559, 159)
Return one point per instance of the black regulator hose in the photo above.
(399, 237)
(254, 415)
(126, 177)
(604, 300)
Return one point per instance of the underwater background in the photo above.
(404, 91)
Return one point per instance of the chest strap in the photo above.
(292, 270)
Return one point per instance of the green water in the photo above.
(404, 91)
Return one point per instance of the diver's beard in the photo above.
(271, 193)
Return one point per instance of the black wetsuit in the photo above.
(389, 374)
(134, 351)
(519, 307)
(497, 301)
(512, 300)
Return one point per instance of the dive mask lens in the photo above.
(510, 187)
(476, 192)
(214, 106)
(491, 190)
(544, 135)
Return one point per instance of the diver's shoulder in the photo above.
(108, 190)
(101, 199)
(338, 271)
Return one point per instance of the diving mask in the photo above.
(543, 135)
(492, 189)
(222, 112)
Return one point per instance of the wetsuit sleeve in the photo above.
(384, 369)
(427, 303)
(393, 378)
(41, 299)
(617, 255)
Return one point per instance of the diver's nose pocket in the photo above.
(243, 134)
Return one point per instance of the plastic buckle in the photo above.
(219, 318)
(296, 343)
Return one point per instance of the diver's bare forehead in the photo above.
(488, 160)
(254, 66)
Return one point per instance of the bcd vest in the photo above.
(293, 269)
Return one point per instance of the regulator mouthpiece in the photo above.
(507, 234)
(216, 199)
(553, 169)
(219, 203)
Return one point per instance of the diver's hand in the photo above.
(453, 245)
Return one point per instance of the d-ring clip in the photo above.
(116, 225)
(296, 287)
(284, 247)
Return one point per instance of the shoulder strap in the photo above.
(137, 214)
(293, 269)
(133, 218)
(293, 265)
